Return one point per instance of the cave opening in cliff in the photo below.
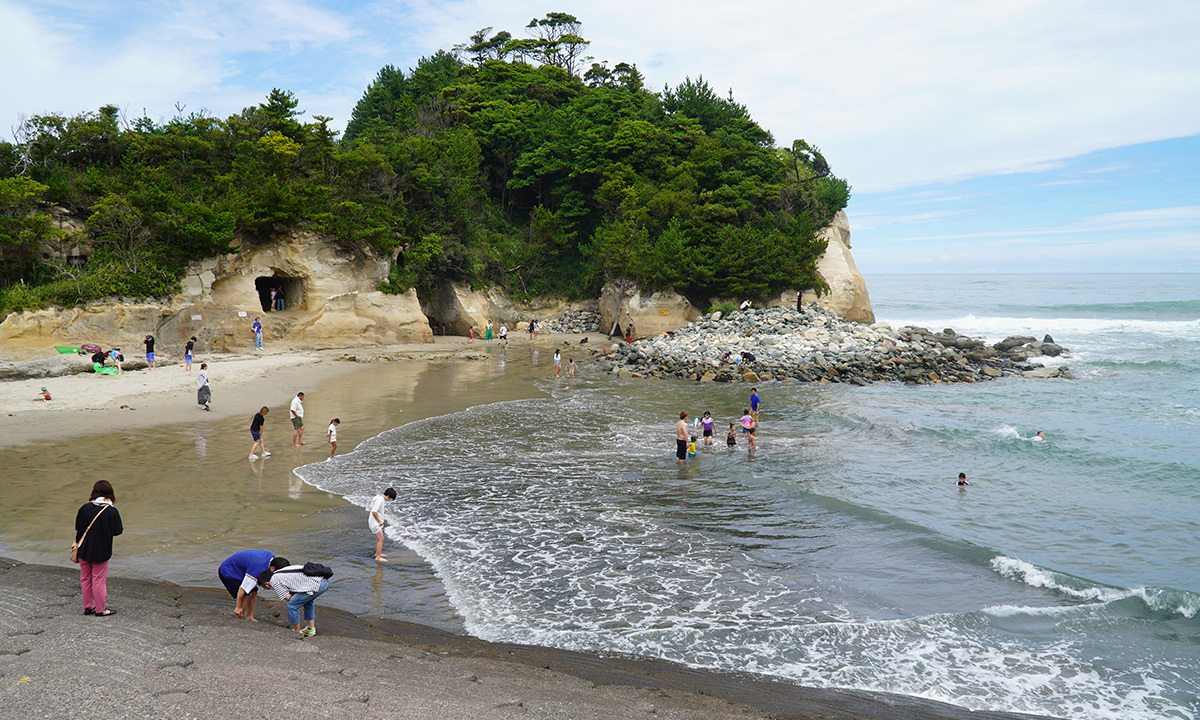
(288, 292)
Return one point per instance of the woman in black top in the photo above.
(96, 549)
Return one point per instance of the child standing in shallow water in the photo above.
(331, 435)
(708, 424)
(731, 436)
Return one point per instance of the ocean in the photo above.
(1064, 581)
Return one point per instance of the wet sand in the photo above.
(189, 497)
(172, 652)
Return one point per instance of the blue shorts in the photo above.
(187, 357)
(149, 357)
(256, 435)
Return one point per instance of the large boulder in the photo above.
(623, 303)
(847, 294)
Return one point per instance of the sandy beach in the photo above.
(189, 497)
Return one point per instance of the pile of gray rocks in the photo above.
(575, 322)
(814, 345)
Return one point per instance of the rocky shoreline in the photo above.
(812, 344)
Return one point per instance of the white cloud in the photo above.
(895, 94)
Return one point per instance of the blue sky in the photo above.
(1023, 136)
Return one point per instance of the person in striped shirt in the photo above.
(296, 589)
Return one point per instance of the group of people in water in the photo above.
(685, 441)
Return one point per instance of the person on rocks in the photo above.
(203, 391)
(96, 524)
(297, 589)
(256, 429)
(681, 437)
(629, 333)
(239, 574)
(375, 521)
(297, 415)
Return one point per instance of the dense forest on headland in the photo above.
(502, 162)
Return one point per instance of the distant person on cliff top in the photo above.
(256, 430)
(375, 521)
(148, 341)
(681, 437)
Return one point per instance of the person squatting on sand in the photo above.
(256, 430)
(297, 589)
(297, 411)
(96, 524)
(375, 521)
(239, 574)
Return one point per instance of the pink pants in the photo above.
(93, 578)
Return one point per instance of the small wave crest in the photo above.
(1162, 600)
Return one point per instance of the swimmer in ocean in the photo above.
(962, 480)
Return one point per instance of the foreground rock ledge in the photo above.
(812, 344)
(176, 652)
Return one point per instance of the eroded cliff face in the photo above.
(328, 296)
(329, 300)
(847, 289)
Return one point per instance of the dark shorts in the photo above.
(256, 435)
(708, 433)
(681, 449)
(297, 422)
(232, 585)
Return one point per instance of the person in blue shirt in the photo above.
(754, 403)
(257, 328)
(239, 574)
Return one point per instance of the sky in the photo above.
(1018, 136)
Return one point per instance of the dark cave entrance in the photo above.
(289, 293)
